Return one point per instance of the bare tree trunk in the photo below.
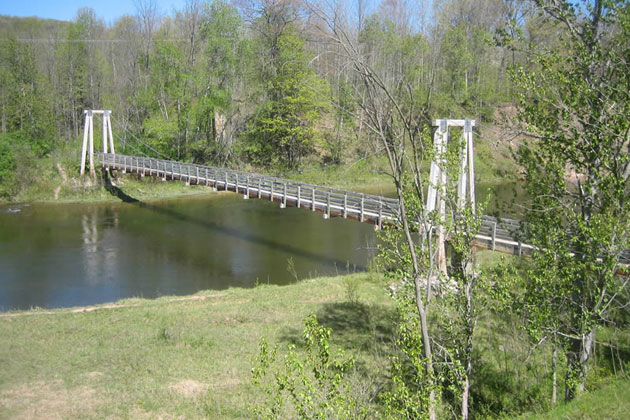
(577, 369)
(585, 354)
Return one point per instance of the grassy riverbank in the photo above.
(173, 357)
(190, 357)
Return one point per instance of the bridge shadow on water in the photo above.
(214, 227)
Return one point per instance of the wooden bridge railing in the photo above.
(495, 234)
(330, 201)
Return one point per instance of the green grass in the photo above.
(364, 175)
(611, 402)
(190, 357)
(186, 358)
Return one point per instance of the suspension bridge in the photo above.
(502, 235)
(496, 234)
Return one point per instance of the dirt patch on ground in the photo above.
(189, 388)
(228, 382)
(48, 401)
(64, 179)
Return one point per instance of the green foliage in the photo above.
(7, 168)
(224, 53)
(577, 105)
(306, 386)
(159, 134)
(408, 396)
(25, 105)
(283, 129)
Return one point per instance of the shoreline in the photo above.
(200, 296)
(184, 357)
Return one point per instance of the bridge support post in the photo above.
(88, 138)
(86, 128)
(299, 196)
(362, 207)
(284, 197)
(327, 214)
(438, 179)
(106, 117)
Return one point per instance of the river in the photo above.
(61, 255)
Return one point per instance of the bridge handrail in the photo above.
(352, 197)
(494, 232)
(387, 207)
(348, 203)
(116, 158)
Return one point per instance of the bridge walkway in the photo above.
(495, 234)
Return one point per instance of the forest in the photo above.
(255, 82)
(278, 85)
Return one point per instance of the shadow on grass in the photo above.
(214, 227)
(358, 327)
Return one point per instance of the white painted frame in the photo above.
(88, 137)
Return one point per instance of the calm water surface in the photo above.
(60, 255)
(80, 254)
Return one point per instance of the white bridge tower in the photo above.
(438, 177)
(88, 134)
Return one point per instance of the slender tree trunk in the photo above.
(420, 302)
(586, 350)
(554, 367)
(426, 344)
(4, 117)
(468, 354)
(577, 369)
(465, 389)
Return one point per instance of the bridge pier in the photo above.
(284, 197)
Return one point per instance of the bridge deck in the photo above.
(500, 235)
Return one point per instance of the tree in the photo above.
(577, 169)
(169, 99)
(225, 58)
(24, 98)
(78, 77)
(396, 106)
(283, 129)
(7, 167)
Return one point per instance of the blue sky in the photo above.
(108, 10)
